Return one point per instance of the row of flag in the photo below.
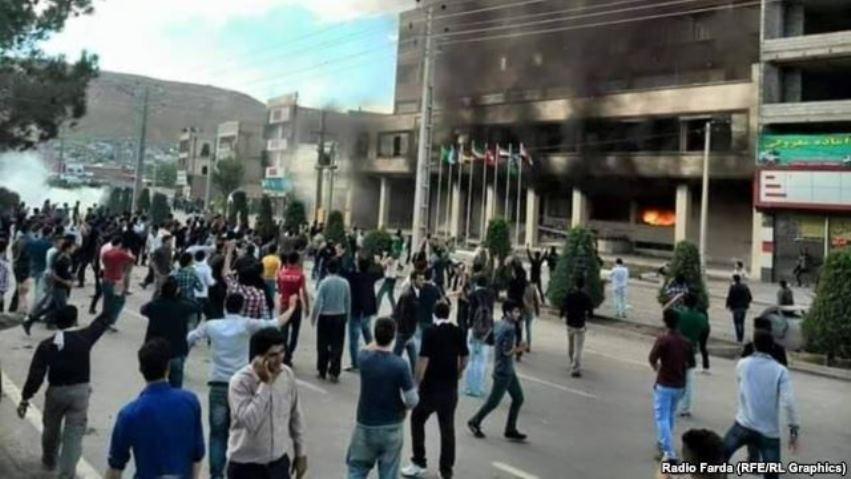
(491, 156)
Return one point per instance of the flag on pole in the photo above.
(503, 153)
(524, 155)
(450, 156)
(478, 154)
(490, 157)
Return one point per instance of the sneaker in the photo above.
(685, 414)
(515, 435)
(475, 429)
(576, 374)
(413, 470)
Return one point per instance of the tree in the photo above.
(238, 208)
(265, 224)
(376, 242)
(497, 239)
(686, 263)
(228, 175)
(166, 175)
(335, 229)
(145, 200)
(113, 204)
(9, 200)
(160, 210)
(578, 260)
(295, 216)
(38, 93)
(827, 327)
(126, 200)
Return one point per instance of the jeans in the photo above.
(406, 344)
(290, 331)
(739, 323)
(527, 320)
(665, 401)
(175, 372)
(112, 303)
(704, 352)
(738, 436)
(575, 343)
(279, 469)
(358, 324)
(501, 385)
(219, 416)
(70, 403)
(477, 368)
(688, 392)
(388, 287)
(375, 444)
(443, 403)
(271, 287)
(330, 337)
(57, 299)
(619, 295)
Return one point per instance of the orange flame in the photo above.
(659, 218)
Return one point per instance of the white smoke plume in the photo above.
(26, 174)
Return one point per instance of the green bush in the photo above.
(578, 260)
(126, 200)
(295, 216)
(113, 204)
(160, 210)
(686, 262)
(376, 242)
(497, 239)
(827, 327)
(335, 229)
(145, 201)
(265, 224)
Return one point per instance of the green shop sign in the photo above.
(833, 149)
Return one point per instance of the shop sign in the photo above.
(805, 150)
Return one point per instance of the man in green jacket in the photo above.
(692, 324)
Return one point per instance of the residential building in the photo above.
(193, 163)
(243, 141)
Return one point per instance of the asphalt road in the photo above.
(599, 426)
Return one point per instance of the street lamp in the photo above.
(704, 193)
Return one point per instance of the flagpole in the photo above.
(439, 184)
(495, 182)
(469, 197)
(508, 185)
(449, 197)
(484, 194)
(519, 190)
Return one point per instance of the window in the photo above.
(204, 171)
(394, 145)
(722, 135)
(280, 114)
(362, 145)
(205, 150)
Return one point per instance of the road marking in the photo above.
(558, 386)
(310, 386)
(616, 358)
(513, 471)
(84, 469)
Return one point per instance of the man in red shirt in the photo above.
(291, 282)
(117, 263)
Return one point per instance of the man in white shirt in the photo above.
(620, 286)
(205, 276)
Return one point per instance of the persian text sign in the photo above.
(809, 150)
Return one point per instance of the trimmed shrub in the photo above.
(335, 229)
(295, 216)
(578, 260)
(265, 223)
(145, 201)
(160, 210)
(497, 239)
(376, 242)
(827, 326)
(686, 262)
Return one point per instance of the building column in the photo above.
(489, 207)
(455, 205)
(383, 202)
(350, 196)
(683, 211)
(533, 209)
(579, 209)
(757, 241)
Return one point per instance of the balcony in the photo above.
(808, 47)
(675, 165)
(279, 144)
(807, 112)
(387, 166)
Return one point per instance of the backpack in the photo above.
(482, 322)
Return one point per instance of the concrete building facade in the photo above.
(243, 141)
(195, 151)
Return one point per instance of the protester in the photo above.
(386, 391)
(532, 302)
(692, 325)
(271, 262)
(330, 314)
(246, 284)
(480, 336)
(364, 306)
(117, 265)
(620, 288)
(536, 263)
(188, 282)
(405, 315)
(65, 359)
(267, 428)
(390, 264)
(21, 268)
(738, 301)
(162, 427)
(162, 261)
(441, 362)
(4, 274)
(61, 280)
(291, 282)
(207, 281)
(764, 387)
(576, 309)
(671, 357)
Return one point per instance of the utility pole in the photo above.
(211, 166)
(423, 177)
(320, 167)
(704, 195)
(140, 160)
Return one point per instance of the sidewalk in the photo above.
(20, 445)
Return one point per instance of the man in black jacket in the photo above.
(65, 359)
(738, 301)
(405, 315)
(363, 306)
(576, 309)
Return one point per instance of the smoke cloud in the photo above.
(27, 175)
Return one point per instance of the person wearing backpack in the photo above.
(481, 301)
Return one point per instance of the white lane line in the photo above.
(310, 386)
(558, 386)
(84, 469)
(513, 471)
(616, 358)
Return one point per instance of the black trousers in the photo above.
(98, 293)
(444, 404)
(290, 332)
(704, 353)
(330, 337)
(279, 469)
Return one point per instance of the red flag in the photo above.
(490, 158)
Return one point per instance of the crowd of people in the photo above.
(245, 296)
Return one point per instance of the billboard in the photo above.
(805, 150)
(821, 190)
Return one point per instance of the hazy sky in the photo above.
(338, 52)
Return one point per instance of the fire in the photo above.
(659, 218)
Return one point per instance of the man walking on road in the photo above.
(117, 264)
(694, 326)
(292, 283)
(229, 338)
(620, 288)
(504, 375)
(386, 391)
(441, 362)
(162, 427)
(331, 312)
(481, 331)
(405, 314)
(576, 309)
(764, 387)
(364, 307)
(65, 359)
(738, 301)
(672, 355)
(267, 432)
